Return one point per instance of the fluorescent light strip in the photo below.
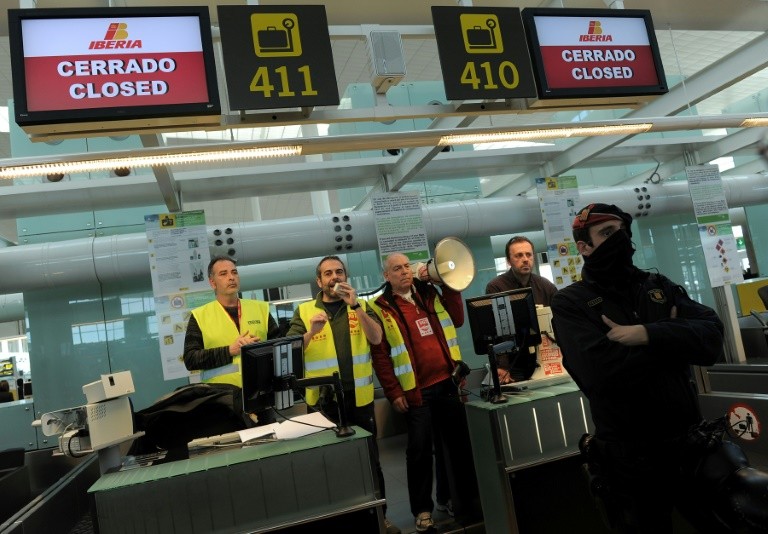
(346, 143)
(546, 133)
(754, 123)
(72, 167)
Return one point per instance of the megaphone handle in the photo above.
(424, 267)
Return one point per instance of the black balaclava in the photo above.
(611, 262)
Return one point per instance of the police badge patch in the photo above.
(657, 296)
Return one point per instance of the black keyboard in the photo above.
(537, 383)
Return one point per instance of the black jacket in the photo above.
(642, 393)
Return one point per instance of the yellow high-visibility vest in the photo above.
(219, 330)
(398, 351)
(320, 357)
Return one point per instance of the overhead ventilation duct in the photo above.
(11, 307)
(125, 257)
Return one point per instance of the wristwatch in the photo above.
(355, 306)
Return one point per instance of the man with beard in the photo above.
(338, 332)
(520, 258)
(628, 338)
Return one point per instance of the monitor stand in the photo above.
(343, 430)
(495, 396)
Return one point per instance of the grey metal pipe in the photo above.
(125, 257)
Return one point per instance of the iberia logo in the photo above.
(115, 37)
(116, 30)
(595, 33)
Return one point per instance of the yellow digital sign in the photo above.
(277, 57)
(483, 53)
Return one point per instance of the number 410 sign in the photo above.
(483, 53)
(277, 57)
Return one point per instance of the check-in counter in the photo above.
(16, 421)
(741, 393)
(531, 429)
(261, 488)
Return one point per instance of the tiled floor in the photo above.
(392, 458)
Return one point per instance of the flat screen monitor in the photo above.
(594, 52)
(264, 367)
(74, 65)
(506, 316)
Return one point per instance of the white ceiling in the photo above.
(694, 38)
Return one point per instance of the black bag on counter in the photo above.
(188, 412)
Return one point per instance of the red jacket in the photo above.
(382, 362)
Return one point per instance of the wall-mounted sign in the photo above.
(594, 52)
(400, 225)
(277, 57)
(559, 200)
(715, 229)
(483, 53)
(178, 261)
(81, 64)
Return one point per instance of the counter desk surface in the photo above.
(256, 488)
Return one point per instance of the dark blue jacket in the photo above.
(639, 393)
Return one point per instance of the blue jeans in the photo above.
(439, 420)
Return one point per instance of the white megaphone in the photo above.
(451, 265)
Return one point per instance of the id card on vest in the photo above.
(425, 328)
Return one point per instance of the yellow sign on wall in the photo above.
(748, 297)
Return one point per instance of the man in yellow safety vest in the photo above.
(338, 332)
(216, 331)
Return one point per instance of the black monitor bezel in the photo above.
(481, 327)
(24, 117)
(546, 92)
(259, 356)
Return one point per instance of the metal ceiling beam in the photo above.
(168, 188)
(729, 144)
(734, 67)
(705, 152)
(414, 160)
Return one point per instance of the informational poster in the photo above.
(400, 225)
(178, 260)
(548, 354)
(715, 230)
(558, 200)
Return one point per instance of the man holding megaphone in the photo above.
(415, 365)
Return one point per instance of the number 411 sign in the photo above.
(277, 57)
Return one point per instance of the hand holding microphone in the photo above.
(346, 292)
